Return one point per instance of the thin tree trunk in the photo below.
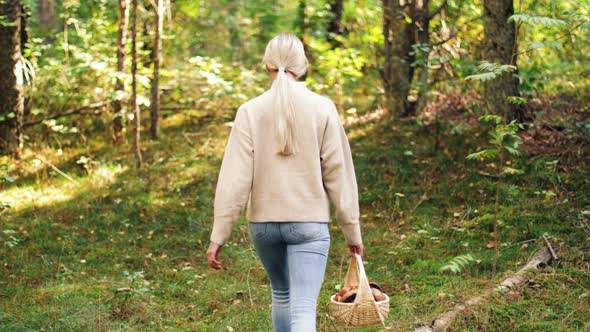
(65, 43)
(299, 25)
(134, 104)
(157, 52)
(499, 47)
(24, 42)
(47, 15)
(335, 28)
(11, 80)
(119, 111)
(423, 38)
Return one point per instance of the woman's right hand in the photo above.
(213, 255)
(356, 249)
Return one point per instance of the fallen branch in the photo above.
(553, 254)
(518, 279)
(249, 290)
(77, 110)
(422, 199)
(48, 163)
(187, 138)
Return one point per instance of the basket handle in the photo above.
(364, 290)
(356, 276)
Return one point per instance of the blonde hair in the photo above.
(285, 53)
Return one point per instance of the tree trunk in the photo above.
(134, 104)
(299, 25)
(396, 72)
(157, 57)
(24, 42)
(335, 27)
(422, 17)
(119, 111)
(499, 47)
(11, 80)
(400, 36)
(47, 15)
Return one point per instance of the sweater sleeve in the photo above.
(339, 177)
(235, 179)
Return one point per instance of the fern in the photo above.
(489, 71)
(482, 77)
(458, 264)
(491, 118)
(483, 154)
(536, 20)
(510, 170)
(517, 100)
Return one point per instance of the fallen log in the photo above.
(441, 323)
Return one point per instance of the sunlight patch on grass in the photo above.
(61, 190)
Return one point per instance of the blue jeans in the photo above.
(294, 254)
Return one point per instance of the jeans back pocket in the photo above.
(258, 231)
(306, 231)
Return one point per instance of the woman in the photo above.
(288, 153)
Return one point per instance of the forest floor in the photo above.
(105, 247)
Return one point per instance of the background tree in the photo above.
(119, 111)
(134, 104)
(406, 35)
(335, 27)
(47, 15)
(500, 47)
(11, 80)
(157, 57)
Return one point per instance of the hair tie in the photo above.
(281, 69)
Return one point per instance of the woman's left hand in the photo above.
(213, 255)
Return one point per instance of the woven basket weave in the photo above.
(364, 311)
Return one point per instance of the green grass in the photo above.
(117, 249)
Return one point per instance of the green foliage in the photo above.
(489, 71)
(10, 241)
(502, 137)
(517, 100)
(458, 264)
(5, 178)
(537, 20)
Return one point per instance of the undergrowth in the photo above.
(112, 248)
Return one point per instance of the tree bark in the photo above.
(11, 80)
(24, 42)
(396, 73)
(118, 109)
(136, 113)
(422, 18)
(400, 37)
(335, 27)
(47, 15)
(157, 52)
(499, 47)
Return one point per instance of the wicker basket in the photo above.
(364, 311)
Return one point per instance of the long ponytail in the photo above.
(285, 54)
(284, 114)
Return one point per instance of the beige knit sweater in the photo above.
(287, 188)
